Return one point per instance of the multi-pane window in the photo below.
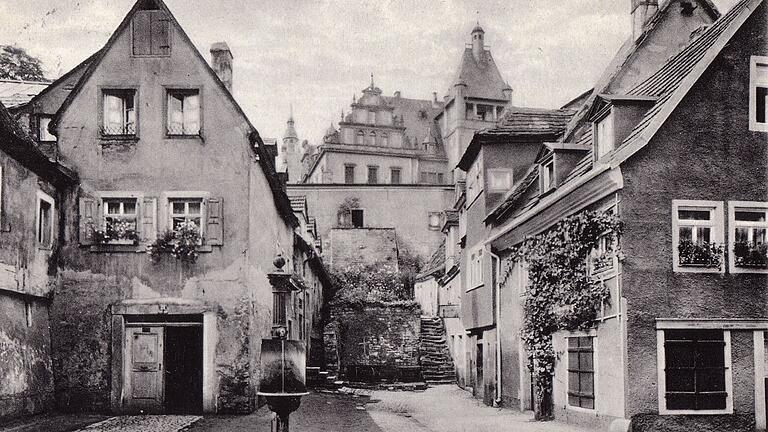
(395, 176)
(750, 232)
(349, 174)
(697, 235)
(42, 128)
(758, 94)
(358, 218)
(604, 136)
(548, 175)
(183, 112)
(44, 220)
(695, 369)
(120, 220)
(186, 211)
(581, 372)
(119, 113)
(373, 174)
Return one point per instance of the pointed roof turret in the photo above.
(290, 129)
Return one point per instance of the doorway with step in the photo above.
(163, 364)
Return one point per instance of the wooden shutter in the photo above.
(148, 220)
(214, 229)
(161, 43)
(88, 219)
(141, 33)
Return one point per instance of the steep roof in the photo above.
(417, 114)
(18, 145)
(526, 123)
(436, 264)
(266, 161)
(624, 55)
(483, 79)
(15, 92)
(673, 81)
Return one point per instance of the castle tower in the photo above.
(291, 152)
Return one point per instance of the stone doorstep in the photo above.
(143, 423)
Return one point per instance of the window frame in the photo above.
(717, 235)
(506, 172)
(591, 334)
(754, 82)
(102, 93)
(187, 91)
(661, 373)
(547, 179)
(476, 186)
(733, 207)
(399, 171)
(352, 168)
(41, 131)
(120, 196)
(44, 197)
(352, 217)
(372, 169)
(167, 218)
(475, 271)
(605, 118)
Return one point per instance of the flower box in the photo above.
(708, 255)
(751, 255)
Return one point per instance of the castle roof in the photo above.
(482, 78)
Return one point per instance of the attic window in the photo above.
(758, 94)
(151, 34)
(604, 138)
(547, 174)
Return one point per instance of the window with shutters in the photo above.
(121, 220)
(197, 208)
(151, 33)
(119, 113)
(183, 113)
(694, 371)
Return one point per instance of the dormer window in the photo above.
(758, 94)
(604, 135)
(547, 174)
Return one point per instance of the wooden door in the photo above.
(144, 369)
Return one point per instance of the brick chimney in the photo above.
(642, 12)
(221, 62)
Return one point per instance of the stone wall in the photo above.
(378, 336)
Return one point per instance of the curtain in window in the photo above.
(113, 114)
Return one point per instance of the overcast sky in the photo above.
(317, 54)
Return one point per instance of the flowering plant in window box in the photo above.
(748, 254)
(117, 232)
(182, 243)
(703, 254)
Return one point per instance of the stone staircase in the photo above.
(436, 363)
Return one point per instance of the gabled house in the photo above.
(681, 159)
(176, 230)
(33, 191)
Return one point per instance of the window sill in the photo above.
(734, 269)
(696, 412)
(171, 136)
(121, 248)
(581, 410)
(44, 248)
(113, 138)
(696, 269)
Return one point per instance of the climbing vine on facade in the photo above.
(562, 294)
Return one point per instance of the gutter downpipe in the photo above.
(497, 401)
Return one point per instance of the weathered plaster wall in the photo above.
(706, 154)
(25, 356)
(425, 293)
(384, 208)
(365, 246)
(26, 281)
(230, 279)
